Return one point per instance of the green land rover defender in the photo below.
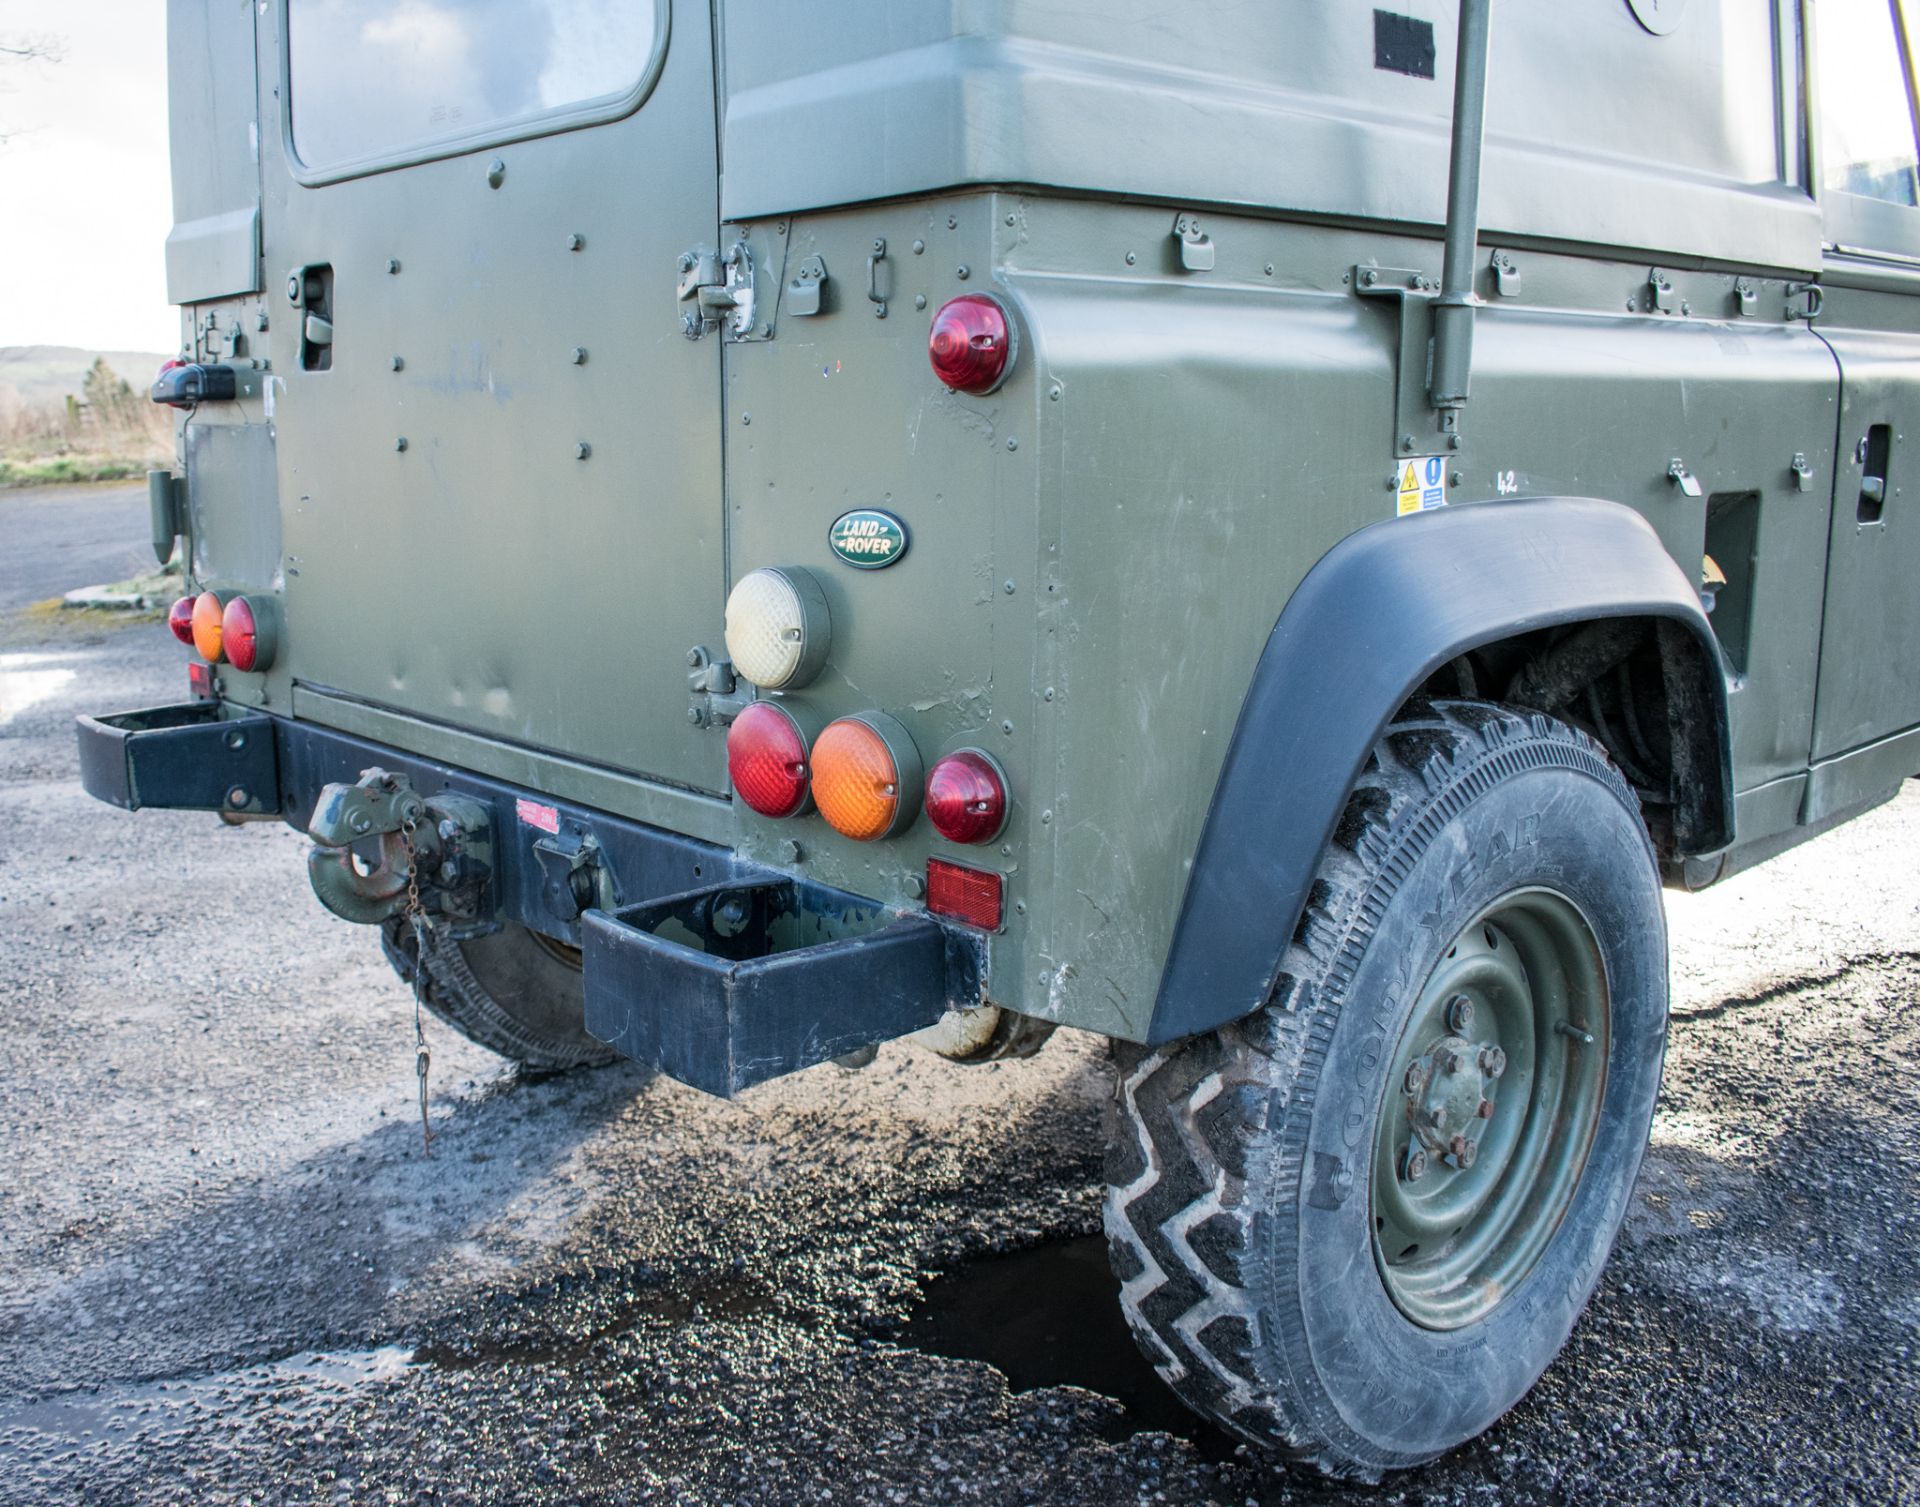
(1266, 533)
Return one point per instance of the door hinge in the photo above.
(719, 289)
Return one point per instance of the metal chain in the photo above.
(416, 914)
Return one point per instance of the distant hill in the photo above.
(32, 376)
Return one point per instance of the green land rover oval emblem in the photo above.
(867, 538)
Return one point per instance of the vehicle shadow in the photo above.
(340, 1246)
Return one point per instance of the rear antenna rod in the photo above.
(1453, 309)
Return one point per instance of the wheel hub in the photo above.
(1492, 1103)
(1448, 1094)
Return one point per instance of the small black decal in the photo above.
(1402, 44)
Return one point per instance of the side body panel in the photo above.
(1175, 451)
(213, 250)
(1870, 643)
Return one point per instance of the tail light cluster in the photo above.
(226, 628)
(864, 775)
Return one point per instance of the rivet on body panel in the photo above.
(496, 173)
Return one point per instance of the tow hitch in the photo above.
(443, 842)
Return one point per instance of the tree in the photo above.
(108, 396)
(28, 49)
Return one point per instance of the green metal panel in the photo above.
(503, 499)
(1277, 105)
(1870, 642)
(213, 249)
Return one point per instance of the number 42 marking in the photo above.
(1504, 483)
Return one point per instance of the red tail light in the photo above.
(246, 634)
(967, 797)
(971, 343)
(180, 619)
(767, 760)
(973, 896)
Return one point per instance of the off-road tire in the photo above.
(1239, 1210)
(508, 991)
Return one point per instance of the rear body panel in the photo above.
(488, 575)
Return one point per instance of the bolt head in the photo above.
(696, 716)
(1485, 1111)
(1413, 1166)
(1414, 1079)
(582, 450)
(1459, 1014)
(1493, 1061)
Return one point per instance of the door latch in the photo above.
(1678, 473)
(1196, 248)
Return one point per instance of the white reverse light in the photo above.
(777, 627)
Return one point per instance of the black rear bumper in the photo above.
(718, 971)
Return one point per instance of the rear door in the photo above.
(1868, 173)
(498, 454)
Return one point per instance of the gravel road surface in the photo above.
(228, 1274)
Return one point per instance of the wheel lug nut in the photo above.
(1485, 1111)
(1413, 1079)
(1459, 1014)
(1413, 1164)
(1463, 1151)
(1493, 1061)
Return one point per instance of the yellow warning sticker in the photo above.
(1423, 484)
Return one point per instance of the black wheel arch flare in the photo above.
(1380, 613)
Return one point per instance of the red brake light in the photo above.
(240, 636)
(967, 797)
(973, 896)
(180, 619)
(971, 343)
(767, 760)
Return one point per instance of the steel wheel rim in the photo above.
(1489, 1112)
(564, 953)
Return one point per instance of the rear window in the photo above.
(371, 80)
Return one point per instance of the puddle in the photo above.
(1050, 1317)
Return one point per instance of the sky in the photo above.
(85, 200)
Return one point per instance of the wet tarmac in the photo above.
(228, 1275)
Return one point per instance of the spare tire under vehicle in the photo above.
(512, 991)
(1358, 1225)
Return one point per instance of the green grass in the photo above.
(73, 468)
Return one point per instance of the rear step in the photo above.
(728, 986)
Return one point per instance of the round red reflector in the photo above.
(180, 619)
(967, 797)
(971, 343)
(767, 760)
(240, 635)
